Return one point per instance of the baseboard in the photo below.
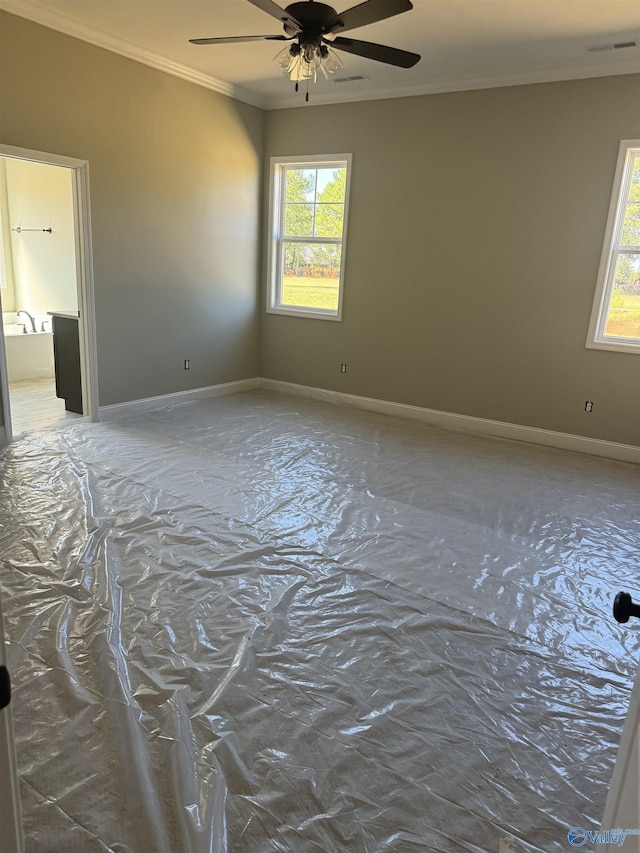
(480, 426)
(434, 417)
(148, 404)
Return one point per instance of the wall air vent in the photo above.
(350, 79)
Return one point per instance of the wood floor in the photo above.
(34, 405)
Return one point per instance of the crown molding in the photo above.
(36, 12)
(460, 84)
(33, 11)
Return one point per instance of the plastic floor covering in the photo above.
(260, 623)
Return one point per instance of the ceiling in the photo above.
(464, 44)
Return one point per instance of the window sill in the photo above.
(615, 345)
(309, 313)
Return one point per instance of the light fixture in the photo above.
(300, 62)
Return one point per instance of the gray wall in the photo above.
(476, 226)
(174, 175)
(475, 231)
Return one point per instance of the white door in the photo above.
(9, 793)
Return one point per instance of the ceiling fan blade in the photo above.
(377, 52)
(276, 11)
(235, 39)
(366, 13)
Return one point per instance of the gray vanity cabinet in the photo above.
(66, 356)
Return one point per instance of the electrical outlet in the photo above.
(187, 364)
(343, 368)
(588, 406)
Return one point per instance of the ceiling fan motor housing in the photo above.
(314, 18)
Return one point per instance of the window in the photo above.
(615, 319)
(308, 218)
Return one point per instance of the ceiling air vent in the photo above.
(619, 45)
(350, 79)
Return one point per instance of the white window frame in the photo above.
(596, 338)
(277, 241)
(6, 265)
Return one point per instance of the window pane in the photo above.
(631, 226)
(300, 185)
(634, 192)
(331, 185)
(298, 220)
(329, 219)
(623, 314)
(311, 275)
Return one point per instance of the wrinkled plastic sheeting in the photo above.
(260, 623)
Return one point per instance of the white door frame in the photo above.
(621, 808)
(84, 273)
(9, 792)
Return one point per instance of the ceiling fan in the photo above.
(314, 28)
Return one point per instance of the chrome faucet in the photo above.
(33, 322)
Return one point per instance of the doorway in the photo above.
(46, 292)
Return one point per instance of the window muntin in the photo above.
(615, 321)
(309, 202)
